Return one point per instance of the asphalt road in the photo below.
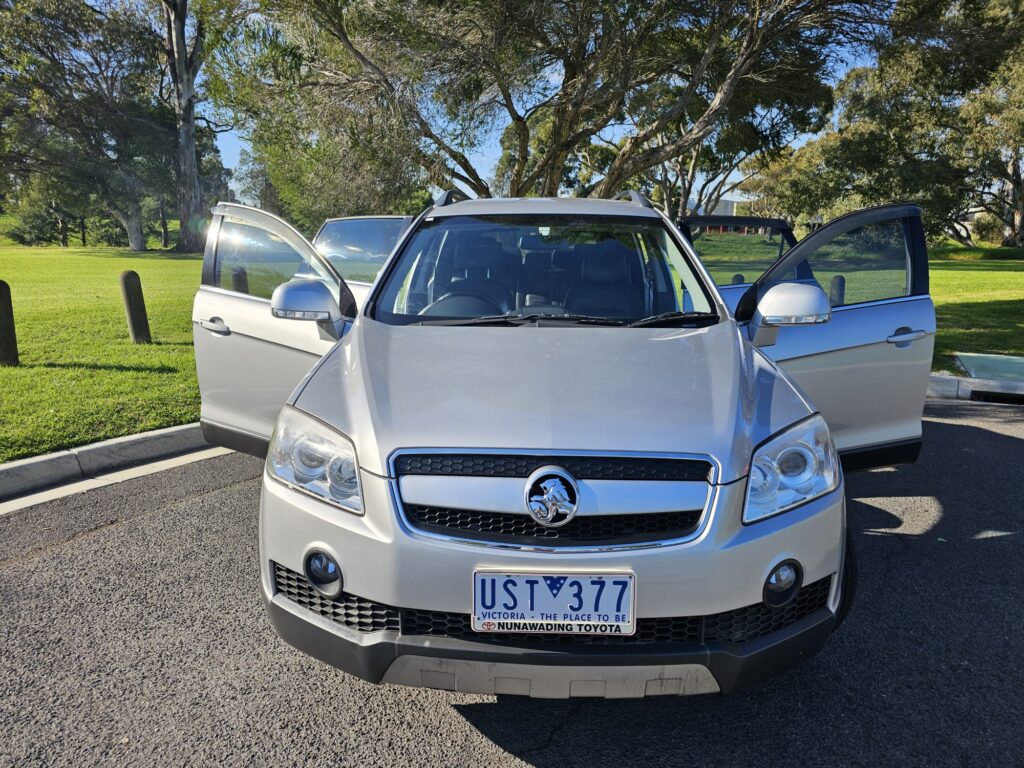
(131, 632)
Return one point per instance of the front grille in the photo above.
(683, 629)
(736, 626)
(348, 610)
(581, 467)
(504, 527)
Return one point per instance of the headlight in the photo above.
(792, 468)
(313, 458)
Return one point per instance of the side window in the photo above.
(255, 261)
(869, 263)
(736, 254)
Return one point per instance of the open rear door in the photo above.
(866, 370)
(247, 360)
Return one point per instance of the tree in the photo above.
(550, 76)
(993, 140)
(190, 31)
(80, 108)
(937, 121)
(761, 121)
(310, 159)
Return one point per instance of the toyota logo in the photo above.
(551, 496)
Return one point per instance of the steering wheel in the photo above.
(461, 304)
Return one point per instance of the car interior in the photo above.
(474, 271)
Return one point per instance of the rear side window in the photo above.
(358, 248)
(255, 261)
(869, 263)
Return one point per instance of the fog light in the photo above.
(323, 573)
(782, 584)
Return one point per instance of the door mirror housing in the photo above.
(788, 304)
(305, 299)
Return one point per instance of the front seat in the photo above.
(477, 261)
(604, 289)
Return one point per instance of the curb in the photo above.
(963, 388)
(38, 473)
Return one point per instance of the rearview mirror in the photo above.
(305, 299)
(788, 304)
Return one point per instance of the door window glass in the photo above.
(255, 261)
(737, 254)
(869, 263)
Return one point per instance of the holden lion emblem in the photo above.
(551, 496)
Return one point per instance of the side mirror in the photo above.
(305, 299)
(788, 304)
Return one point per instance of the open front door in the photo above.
(247, 360)
(736, 249)
(866, 369)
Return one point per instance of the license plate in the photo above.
(584, 604)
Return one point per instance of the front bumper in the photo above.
(722, 569)
(612, 672)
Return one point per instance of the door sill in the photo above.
(881, 455)
(235, 439)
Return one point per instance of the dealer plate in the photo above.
(562, 603)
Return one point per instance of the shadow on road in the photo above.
(926, 669)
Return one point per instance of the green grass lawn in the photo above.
(81, 379)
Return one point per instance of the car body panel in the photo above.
(692, 390)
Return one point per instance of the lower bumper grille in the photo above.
(736, 626)
(503, 527)
(348, 610)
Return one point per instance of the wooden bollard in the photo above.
(837, 291)
(135, 307)
(738, 279)
(8, 340)
(239, 280)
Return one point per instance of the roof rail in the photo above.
(634, 197)
(450, 196)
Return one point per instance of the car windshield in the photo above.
(551, 269)
(358, 248)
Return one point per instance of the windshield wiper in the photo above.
(523, 318)
(509, 319)
(672, 318)
(577, 319)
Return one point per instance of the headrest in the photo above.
(474, 250)
(605, 263)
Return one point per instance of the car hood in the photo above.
(665, 390)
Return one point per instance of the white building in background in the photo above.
(724, 208)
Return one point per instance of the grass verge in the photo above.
(81, 379)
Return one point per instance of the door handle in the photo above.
(215, 325)
(905, 336)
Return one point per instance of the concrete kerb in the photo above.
(964, 388)
(18, 478)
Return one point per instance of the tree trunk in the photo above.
(1013, 220)
(184, 65)
(81, 229)
(165, 238)
(131, 219)
(190, 204)
(62, 230)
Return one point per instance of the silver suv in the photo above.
(544, 453)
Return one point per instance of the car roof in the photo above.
(580, 206)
